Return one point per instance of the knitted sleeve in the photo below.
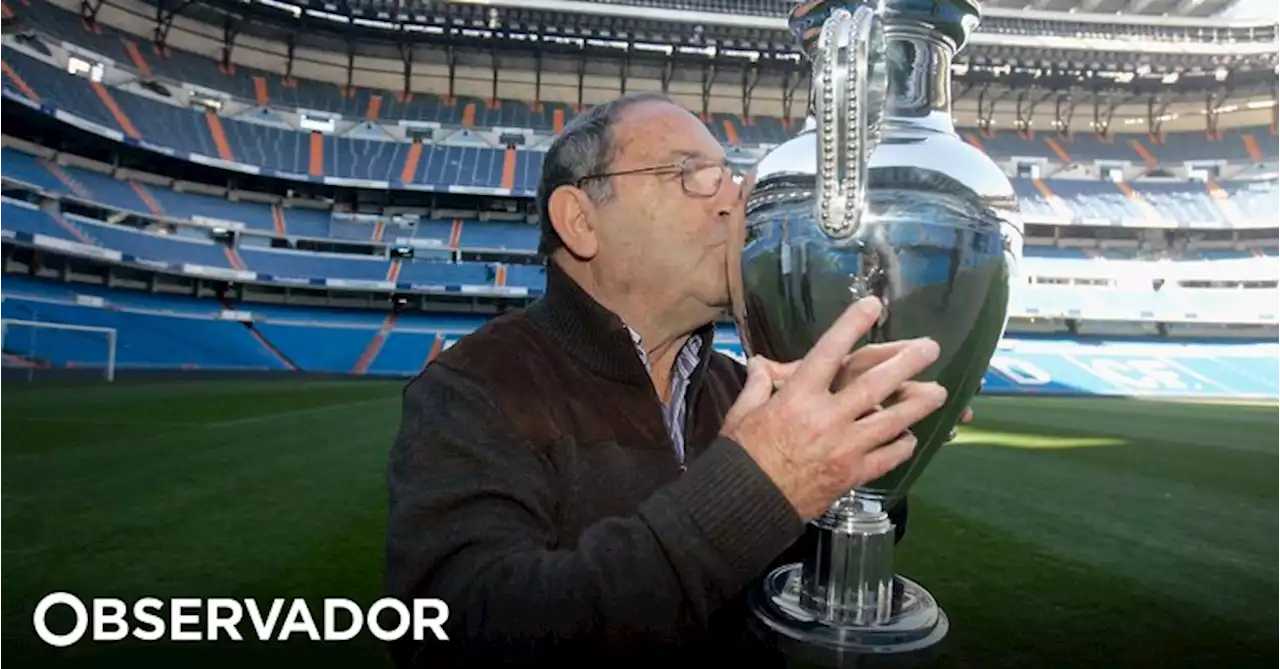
(470, 522)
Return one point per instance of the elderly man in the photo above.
(586, 482)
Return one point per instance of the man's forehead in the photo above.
(666, 133)
(677, 155)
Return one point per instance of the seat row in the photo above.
(193, 254)
(377, 156)
(172, 332)
(1186, 204)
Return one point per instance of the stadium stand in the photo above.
(190, 244)
(254, 140)
(145, 116)
(1139, 246)
(167, 331)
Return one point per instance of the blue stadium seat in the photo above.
(1182, 202)
(370, 159)
(461, 166)
(27, 168)
(321, 349)
(150, 246)
(404, 352)
(487, 235)
(243, 82)
(108, 190)
(439, 231)
(528, 276)
(309, 265)
(144, 340)
(25, 217)
(196, 206)
(267, 147)
(1095, 200)
(445, 273)
(179, 128)
(173, 332)
(300, 222)
(1143, 369)
(62, 89)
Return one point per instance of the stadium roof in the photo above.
(1184, 8)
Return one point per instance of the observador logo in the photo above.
(225, 619)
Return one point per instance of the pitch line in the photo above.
(249, 420)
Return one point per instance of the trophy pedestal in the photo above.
(843, 606)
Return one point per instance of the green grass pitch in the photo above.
(1055, 532)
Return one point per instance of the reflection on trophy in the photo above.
(878, 195)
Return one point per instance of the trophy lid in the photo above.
(953, 20)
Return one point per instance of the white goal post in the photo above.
(109, 368)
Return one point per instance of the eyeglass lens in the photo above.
(704, 180)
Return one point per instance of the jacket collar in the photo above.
(591, 333)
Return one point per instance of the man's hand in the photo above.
(821, 433)
(854, 364)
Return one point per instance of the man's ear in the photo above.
(573, 217)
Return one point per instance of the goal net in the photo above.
(41, 345)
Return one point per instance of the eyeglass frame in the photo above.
(684, 167)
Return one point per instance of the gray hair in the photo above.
(585, 148)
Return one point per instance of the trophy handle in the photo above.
(849, 82)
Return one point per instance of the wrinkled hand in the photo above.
(776, 374)
(854, 364)
(821, 425)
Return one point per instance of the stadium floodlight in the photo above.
(77, 339)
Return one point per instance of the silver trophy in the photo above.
(876, 196)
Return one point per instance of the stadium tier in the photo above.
(370, 143)
(137, 223)
(167, 332)
(1183, 203)
(266, 139)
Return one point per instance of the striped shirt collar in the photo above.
(674, 410)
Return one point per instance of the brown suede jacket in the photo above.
(534, 488)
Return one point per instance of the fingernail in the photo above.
(868, 304)
(927, 347)
(941, 394)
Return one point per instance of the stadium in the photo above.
(233, 229)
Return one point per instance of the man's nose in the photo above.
(731, 193)
(729, 200)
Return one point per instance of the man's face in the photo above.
(656, 239)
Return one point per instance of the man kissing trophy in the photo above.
(876, 196)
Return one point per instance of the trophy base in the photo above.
(909, 637)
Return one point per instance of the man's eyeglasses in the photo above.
(699, 178)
